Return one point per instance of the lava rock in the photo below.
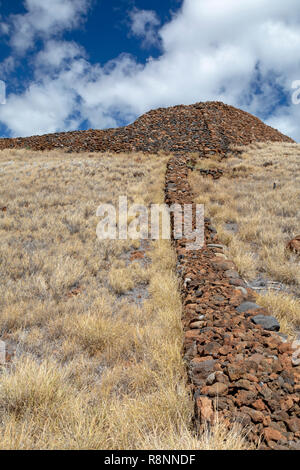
(267, 322)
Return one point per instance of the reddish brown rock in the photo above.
(204, 409)
(217, 389)
(245, 397)
(293, 424)
(294, 245)
(271, 434)
(137, 255)
(256, 416)
(236, 372)
(285, 347)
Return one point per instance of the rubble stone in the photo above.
(267, 322)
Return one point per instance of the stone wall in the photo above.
(239, 365)
(207, 127)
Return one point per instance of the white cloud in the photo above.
(57, 53)
(6, 67)
(243, 53)
(144, 25)
(44, 19)
(41, 109)
(4, 28)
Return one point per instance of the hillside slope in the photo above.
(208, 127)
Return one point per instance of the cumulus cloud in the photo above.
(52, 101)
(56, 54)
(4, 28)
(41, 109)
(242, 53)
(144, 25)
(6, 67)
(44, 19)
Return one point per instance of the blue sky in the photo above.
(77, 64)
(104, 35)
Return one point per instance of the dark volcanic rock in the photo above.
(267, 322)
(201, 127)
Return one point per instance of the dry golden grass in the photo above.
(255, 220)
(98, 338)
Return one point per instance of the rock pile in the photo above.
(202, 127)
(215, 174)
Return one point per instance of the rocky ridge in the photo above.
(239, 365)
(175, 129)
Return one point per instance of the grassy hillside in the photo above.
(96, 326)
(255, 206)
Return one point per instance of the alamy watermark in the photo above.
(139, 222)
(2, 92)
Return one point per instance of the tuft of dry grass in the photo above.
(284, 306)
(255, 207)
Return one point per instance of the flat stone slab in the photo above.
(267, 322)
(246, 306)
